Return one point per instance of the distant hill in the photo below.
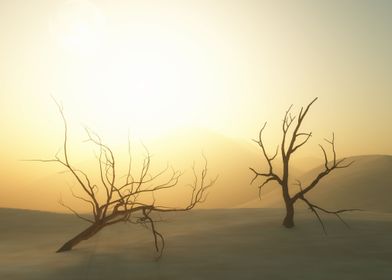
(367, 184)
(227, 157)
(230, 159)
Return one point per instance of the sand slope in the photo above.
(228, 158)
(204, 244)
(367, 184)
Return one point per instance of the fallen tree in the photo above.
(124, 200)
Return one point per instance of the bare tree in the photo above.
(124, 201)
(292, 140)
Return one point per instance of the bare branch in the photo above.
(296, 140)
(155, 233)
(308, 135)
(271, 175)
(60, 201)
(314, 208)
(123, 201)
(328, 167)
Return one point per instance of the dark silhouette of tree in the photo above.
(292, 140)
(124, 201)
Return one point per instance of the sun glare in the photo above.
(144, 77)
(78, 27)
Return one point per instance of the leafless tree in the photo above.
(292, 140)
(124, 201)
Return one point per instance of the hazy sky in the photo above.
(155, 66)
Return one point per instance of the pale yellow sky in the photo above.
(151, 67)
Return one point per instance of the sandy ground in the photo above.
(203, 244)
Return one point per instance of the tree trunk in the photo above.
(288, 221)
(84, 235)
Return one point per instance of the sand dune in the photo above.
(228, 158)
(203, 244)
(367, 184)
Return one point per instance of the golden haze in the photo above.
(156, 68)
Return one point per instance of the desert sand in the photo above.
(202, 244)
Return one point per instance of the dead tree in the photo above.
(124, 201)
(292, 140)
